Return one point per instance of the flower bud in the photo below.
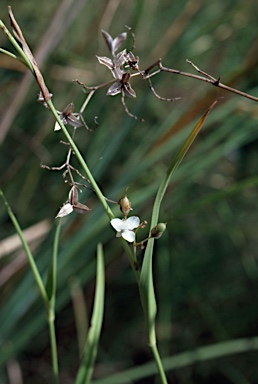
(125, 205)
(157, 231)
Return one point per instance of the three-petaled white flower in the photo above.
(125, 227)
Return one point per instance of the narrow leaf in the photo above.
(146, 279)
(26, 248)
(91, 345)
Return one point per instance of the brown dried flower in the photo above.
(68, 117)
(122, 86)
(72, 204)
(113, 44)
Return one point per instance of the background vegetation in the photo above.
(206, 263)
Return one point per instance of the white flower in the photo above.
(125, 228)
(65, 210)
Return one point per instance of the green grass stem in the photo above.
(51, 289)
(26, 248)
(90, 350)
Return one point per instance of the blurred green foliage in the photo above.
(206, 263)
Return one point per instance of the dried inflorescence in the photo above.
(118, 65)
(123, 66)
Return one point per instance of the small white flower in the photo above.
(125, 228)
(65, 210)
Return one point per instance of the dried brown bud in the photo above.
(125, 205)
(158, 231)
(73, 200)
(73, 195)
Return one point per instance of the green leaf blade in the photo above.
(146, 279)
(90, 350)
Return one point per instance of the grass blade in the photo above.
(91, 345)
(146, 279)
(32, 263)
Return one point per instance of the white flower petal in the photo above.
(65, 210)
(132, 222)
(128, 236)
(57, 127)
(118, 224)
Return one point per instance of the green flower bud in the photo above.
(158, 231)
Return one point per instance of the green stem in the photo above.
(32, 263)
(17, 47)
(52, 333)
(51, 308)
(49, 301)
(157, 359)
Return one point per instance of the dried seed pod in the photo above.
(81, 208)
(158, 231)
(73, 195)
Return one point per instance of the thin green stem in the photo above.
(8, 53)
(132, 260)
(17, 47)
(52, 334)
(48, 298)
(25, 245)
(158, 361)
(52, 301)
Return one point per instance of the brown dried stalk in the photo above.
(19, 36)
(206, 77)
